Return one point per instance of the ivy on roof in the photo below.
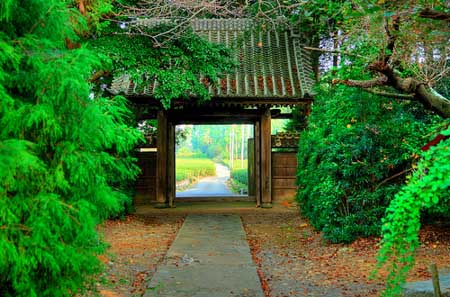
(269, 63)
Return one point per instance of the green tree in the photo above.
(351, 163)
(403, 45)
(64, 152)
(397, 50)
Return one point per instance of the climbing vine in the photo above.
(176, 67)
(428, 188)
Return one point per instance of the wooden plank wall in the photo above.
(146, 182)
(284, 168)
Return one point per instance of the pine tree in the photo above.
(64, 152)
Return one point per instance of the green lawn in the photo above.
(193, 168)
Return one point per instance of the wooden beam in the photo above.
(283, 116)
(161, 161)
(214, 120)
(214, 116)
(266, 163)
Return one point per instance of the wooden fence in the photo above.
(146, 182)
(284, 168)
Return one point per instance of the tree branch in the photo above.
(338, 52)
(421, 92)
(392, 36)
(393, 177)
(391, 95)
(365, 84)
(428, 13)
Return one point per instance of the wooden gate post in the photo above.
(257, 162)
(266, 163)
(171, 187)
(161, 161)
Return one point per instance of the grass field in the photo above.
(193, 168)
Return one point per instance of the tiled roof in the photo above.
(272, 63)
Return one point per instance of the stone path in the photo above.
(209, 257)
(425, 288)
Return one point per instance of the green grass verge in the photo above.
(239, 180)
(194, 168)
(240, 175)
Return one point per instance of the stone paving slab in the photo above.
(209, 257)
(425, 288)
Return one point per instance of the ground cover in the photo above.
(295, 260)
(292, 258)
(137, 245)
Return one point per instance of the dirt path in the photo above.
(292, 258)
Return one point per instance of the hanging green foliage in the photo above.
(176, 66)
(64, 153)
(428, 188)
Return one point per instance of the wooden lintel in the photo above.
(197, 116)
(283, 116)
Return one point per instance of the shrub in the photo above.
(353, 158)
(239, 181)
(240, 175)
